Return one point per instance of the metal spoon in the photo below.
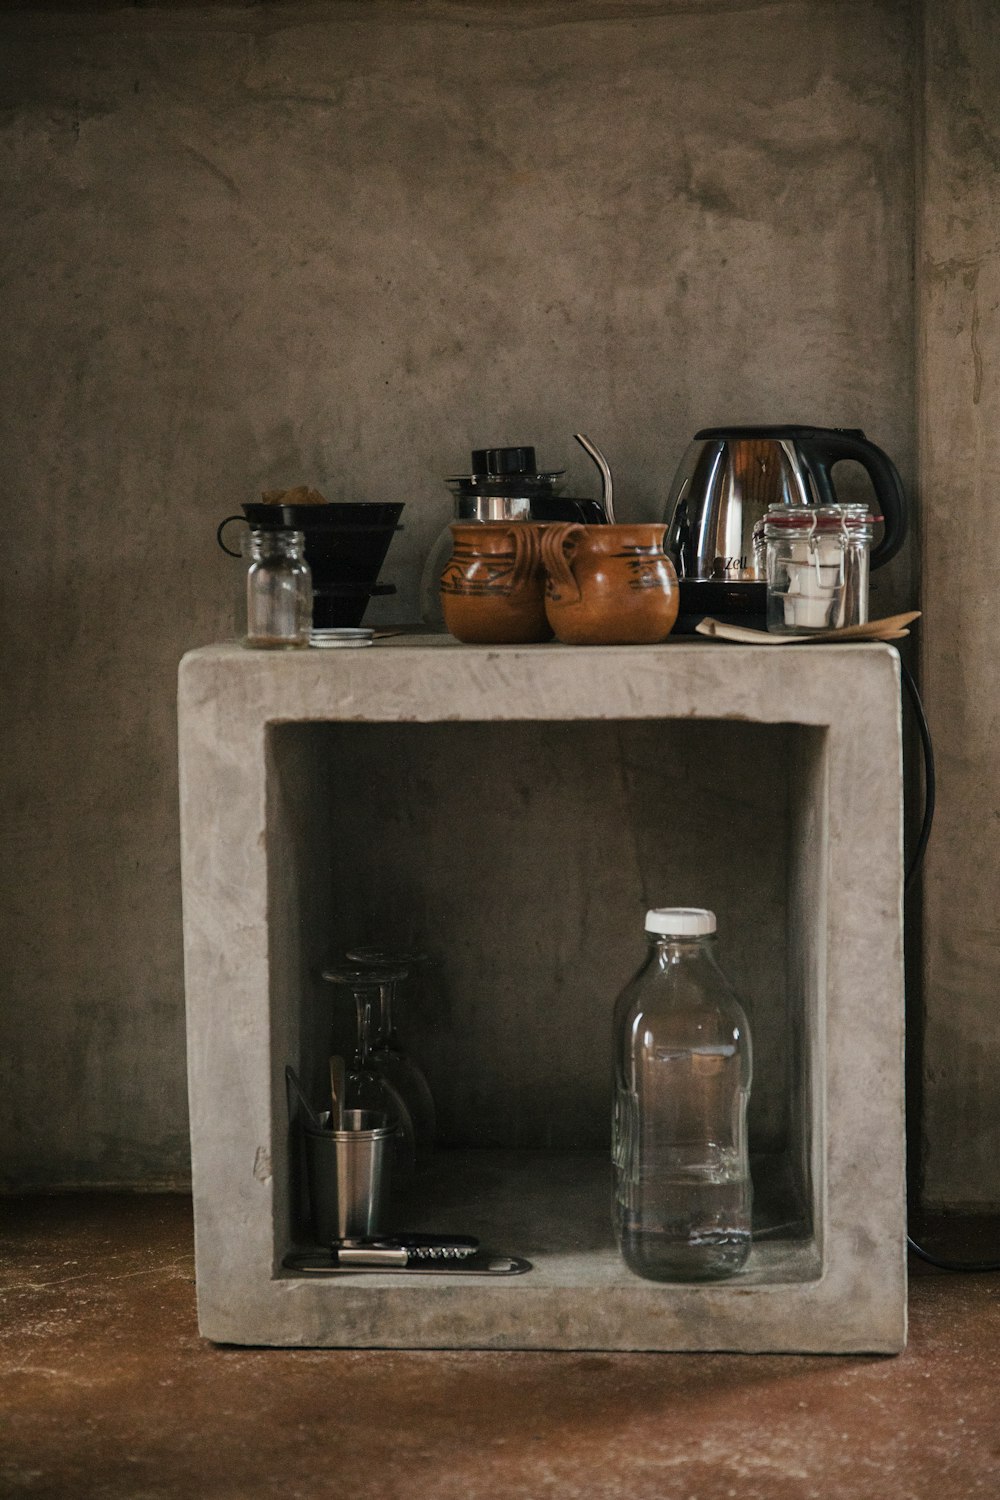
(338, 1074)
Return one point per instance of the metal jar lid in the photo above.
(797, 519)
(347, 636)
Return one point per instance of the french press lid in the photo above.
(505, 471)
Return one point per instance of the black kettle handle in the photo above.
(825, 448)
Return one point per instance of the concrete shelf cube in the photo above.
(516, 809)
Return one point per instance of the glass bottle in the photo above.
(279, 590)
(682, 1190)
(368, 1084)
(387, 1051)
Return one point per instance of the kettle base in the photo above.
(731, 603)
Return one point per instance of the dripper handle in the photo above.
(221, 528)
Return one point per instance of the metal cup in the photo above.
(349, 1174)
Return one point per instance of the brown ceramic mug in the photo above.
(609, 585)
(493, 585)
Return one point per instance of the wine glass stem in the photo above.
(364, 1005)
(385, 997)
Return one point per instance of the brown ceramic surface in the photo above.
(493, 585)
(609, 585)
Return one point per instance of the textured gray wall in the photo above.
(960, 449)
(345, 244)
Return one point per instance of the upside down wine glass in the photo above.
(368, 1084)
(387, 1051)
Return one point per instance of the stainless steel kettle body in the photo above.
(721, 492)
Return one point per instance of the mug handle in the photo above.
(218, 534)
(525, 539)
(556, 541)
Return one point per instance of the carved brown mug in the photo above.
(609, 585)
(493, 586)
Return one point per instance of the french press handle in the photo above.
(825, 447)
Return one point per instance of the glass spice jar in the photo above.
(279, 590)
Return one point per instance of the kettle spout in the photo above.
(607, 485)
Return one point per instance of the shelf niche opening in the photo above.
(522, 856)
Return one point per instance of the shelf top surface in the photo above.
(685, 646)
(423, 678)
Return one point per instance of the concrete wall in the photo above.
(960, 452)
(344, 244)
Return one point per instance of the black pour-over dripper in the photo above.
(345, 546)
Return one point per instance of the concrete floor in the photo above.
(107, 1391)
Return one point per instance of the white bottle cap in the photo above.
(680, 921)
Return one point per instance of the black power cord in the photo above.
(930, 780)
(916, 860)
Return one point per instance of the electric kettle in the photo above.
(726, 481)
